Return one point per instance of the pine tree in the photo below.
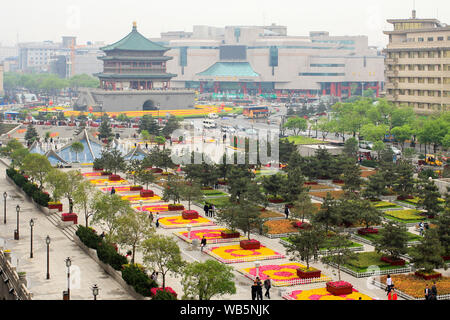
(105, 131)
(31, 135)
(403, 182)
(428, 254)
(328, 214)
(429, 195)
(375, 186)
(352, 178)
(393, 240)
(443, 230)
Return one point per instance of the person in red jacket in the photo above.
(392, 295)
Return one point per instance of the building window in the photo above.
(411, 67)
(431, 67)
(430, 39)
(183, 56)
(317, 74)
(410, 80)
(273, 60)
(430, 80)
(421, 67)
(440, 38)
(420, 39)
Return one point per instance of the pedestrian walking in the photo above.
(427, 292)
(206, 209)
(254, 288)
(267, 286)
(102, 236)
(286, 211)
(150, 216)
(392, 295)
(433, 291)
(421, 227)
(202, 243)
(70, 205)
(259, 295)
(212, 210)
(157, 223)
(389, 284)
(113, 190)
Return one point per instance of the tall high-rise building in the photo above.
(1, 79)
(418, 64)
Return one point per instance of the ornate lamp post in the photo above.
(5, 195)
(16, 233)
(95, 290)
(31, 238)
(47, 241)
(68, 264)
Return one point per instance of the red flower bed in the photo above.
(367, 231)
(303, 274)
(136, 188)
(106, 173)
(229, 235)
(311, 183)
(189, 214)
(56, 206)
(398, 262)
(174, 207)
(446, 258)
(421, 274)
(339, 288)
(338, 181)
(114, 177)
(167, 289)
(301, 225)
(156, 170)
(405, 197)
(207, 188)
(98, 169)
(146, 193)
(250, 244)
(275, 200)
(222, 183)
(70, 217)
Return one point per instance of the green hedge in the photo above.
(163, 295)
(138, 279)
(89, 237)
(369, 163)
(108, 254)
(31, 189)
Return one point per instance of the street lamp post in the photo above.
(68, 264)
(5, 195)
(31, 238)
(16, 234)
(95, 291)
(47, 241)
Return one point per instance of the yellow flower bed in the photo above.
(234, 254)
(179, 222)
(404, 214)
(137, 198)
(414, 286)
(323, 294)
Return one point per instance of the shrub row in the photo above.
(32, 190)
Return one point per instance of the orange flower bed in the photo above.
(318, 187)
(366, 174)
(414, 286)
(337, 194)
(270, 214)
(280, 226)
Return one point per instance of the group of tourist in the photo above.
(257, 288)
(209, 210)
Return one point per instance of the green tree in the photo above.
(428, 194)
(367, 214)
(204, 280)
(133, 169)
(393, 240)
(206, 174)
(18, 156)
(443, 230)
(163, 255)
(145, 177)
(428, 254)
(113, 160)
(173, 189)
(31, 135)
(73, 180)
(352, 178)
(77, 147)
(133, 228)
(303, 206)
(83, 81)
(84, 197)
(374, 187)
(403, 182)
(191, 192)
(149, 123)
(305, 245)
(145, 135)
(328, 214)
(105, 131)
(402, 134)
(171, 125)
(351, 148)
(338, 251)
(55, 183)
(296, 124)
(107, 210)
(293, 186)
(36, 166)
(272, 184)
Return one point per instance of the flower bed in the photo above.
(405, 216)
(235, 254)
(174, 222)
(153, 291)
(367, 173)
(156, 170)
(429, 275)
(211, 193)
(70, 217)
(275, 200)
(280, 226)
(375, 236)
(228, 234)
(403, 198)
(114, 177)
(55, 205)
(305, 273)
(267, 214)
(392, 262)
(414, 286)
(104, 182)
(318, 187)
(136, 188)
(189, 214)
(367, 231)
(137, 198)
(211, 235)
(175, 207)
(301, 225)
(311, 183)
(339, 288)
(323, 294)
(92, 174)
(146, 193)
(338, 181)
(336, 194)
(281, 275)
(384, 205)
(250, 244)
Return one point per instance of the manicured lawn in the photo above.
(416, 200)
(304, 140)
(372, 237)
(210, 193)
(406, 216)
(218, 202)
(414, 286)
(6, 127)
(364, 260)
(351, 244)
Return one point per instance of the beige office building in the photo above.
(418, 64)
(1, 80)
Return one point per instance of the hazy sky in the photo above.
(110, 20)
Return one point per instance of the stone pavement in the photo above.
(85, 272)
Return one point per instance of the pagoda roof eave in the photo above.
(129, 58)
(135, 76)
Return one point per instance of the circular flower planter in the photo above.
(367, 231)
(275, 200)
(175, 207)
(146, 193)
(435, 275)
(114, 177)
(98, 169)
(58, 206)
(229, 235)
(339, 288)
(311, 183)
(399, 262)
(301, 225)
(189, 214)
(250, 244)
(312, 273)
(136, 188)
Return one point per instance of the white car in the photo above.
(396, 151)
(213, 116)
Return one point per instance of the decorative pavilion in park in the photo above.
(134, 63)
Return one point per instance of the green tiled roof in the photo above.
(126, 58)
(134, 76)
(135, 41)
(230, 69)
